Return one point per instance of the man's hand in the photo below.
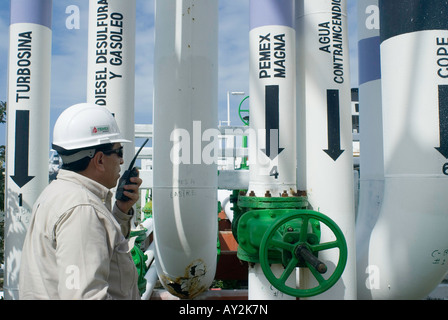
(131, 191)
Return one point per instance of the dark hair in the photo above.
(77, 166)
(82, 164)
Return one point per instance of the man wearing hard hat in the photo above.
(77, 244)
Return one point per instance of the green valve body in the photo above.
(254, 215)
(281, 230)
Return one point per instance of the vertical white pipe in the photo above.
(259, 287)
(111, 63)
(408, 246)
(28, 125)
(185, 122)
(272, 146)
(371, 136)
(325, 156)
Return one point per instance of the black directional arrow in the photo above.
(443, 120)
(272, 121)
(21, 176)
(333, 122)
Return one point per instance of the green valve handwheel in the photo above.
(302, 253)
(244, 119)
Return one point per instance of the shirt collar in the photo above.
(95, 187)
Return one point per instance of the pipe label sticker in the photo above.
(442, 57)
(23, 84)
(109, 49)
(273, 107)
(331, 41)
(442, 73)
(443, 122)
(22, 150)
(333, 125)
(272, 56)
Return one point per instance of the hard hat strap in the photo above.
(67, 159)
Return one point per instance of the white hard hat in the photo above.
(85, 125)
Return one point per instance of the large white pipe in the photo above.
(325, 156)
(272, 146)
(111, 63)
(185, 121)
(27, 148)
(408, 246)
(371, 136)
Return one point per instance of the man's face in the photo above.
(112, 162)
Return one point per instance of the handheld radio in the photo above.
(127, 175)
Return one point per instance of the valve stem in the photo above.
(304, 253)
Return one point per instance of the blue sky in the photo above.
(69, 56)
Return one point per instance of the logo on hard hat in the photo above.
(100, 129)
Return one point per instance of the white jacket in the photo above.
(76, 246)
